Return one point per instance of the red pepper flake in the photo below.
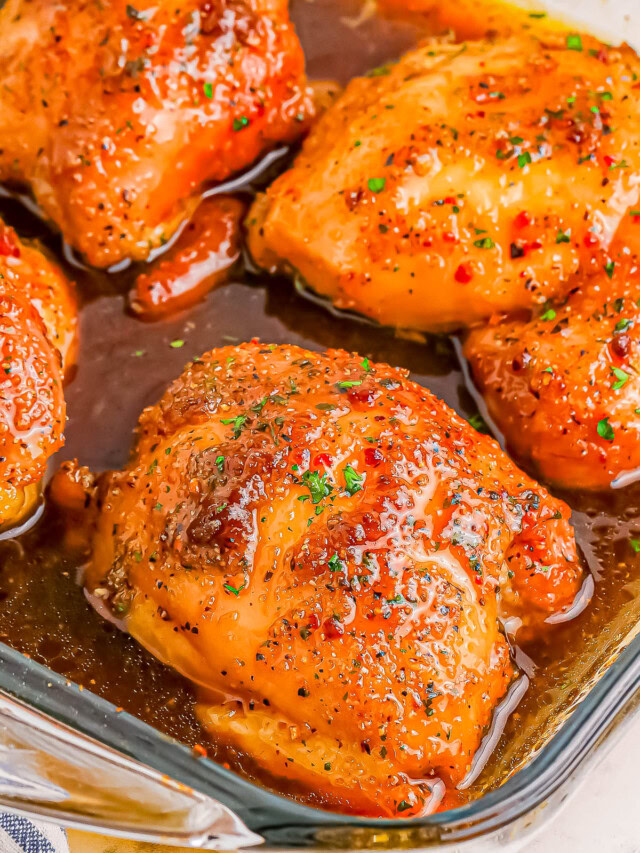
(590, 239)
(522, 219)
(7, 247)
(373, 457)
(464, 274)
(449, 237)
(322, 459)
(609, 161)
(332, 629)
(450, 200)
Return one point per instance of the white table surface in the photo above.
(603, 816)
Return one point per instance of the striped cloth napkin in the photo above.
(19, 835)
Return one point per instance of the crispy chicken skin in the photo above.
(326, 549)
(37, 327)
(202, 257)
(564, 387)
(463, 181)
(116, 113)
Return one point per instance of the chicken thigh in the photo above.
(116, 113)
(462, 181)
(564, 387)
(326, 550)
(37, 328)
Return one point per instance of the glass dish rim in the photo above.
(263, 810)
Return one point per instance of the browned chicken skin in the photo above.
(564, 387)
(37, 329)
(116, 113)
(460, 182)
(326, 549)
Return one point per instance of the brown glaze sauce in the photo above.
(124, 364)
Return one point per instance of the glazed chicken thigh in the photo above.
(326, 550)
(462, 181)
(116, 113)
(37, 328)
(564, 387)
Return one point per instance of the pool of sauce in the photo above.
(125, 364)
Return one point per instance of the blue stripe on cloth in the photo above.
(29, 837)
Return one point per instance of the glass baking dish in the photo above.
(69, 756)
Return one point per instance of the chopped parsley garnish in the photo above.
(317, 484)
(563, 236)
(349, 383)
(376, 185)
(220, 463)
(238, 422)
(479, 423)
(176, 344)
(380, 71)
(352, 479)
(366, 364)
(524, 159)
(574, 42)
(635, 545)
(208, 90)
(484, 243)
(335, 563)
(621, 378)
(622, 325)
(605, 430)
(609, 268)
(239, 123)
(549, 314)
(232, 589)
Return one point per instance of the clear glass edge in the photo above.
(284, 822)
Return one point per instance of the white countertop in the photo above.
(603, 816)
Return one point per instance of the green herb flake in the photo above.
(524, 159)
(484, 243)
(609, 268)
(620, 376)
(176, 344)
(232, 589)
(549, 314)
(574, 42)
(376, 185)
(240, 123)
(380, 71)
(563, 236)
(479, 424)
(352, 479)
(635, 545)
(605, 430)
(238, 422)
(335, 563)
(208, 90)
(317, 484)
(349, 383)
